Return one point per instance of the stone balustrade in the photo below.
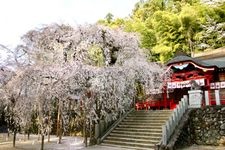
(171, 124)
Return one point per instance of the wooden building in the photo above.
(205, 71)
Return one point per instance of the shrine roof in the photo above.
(183, 58)
(212, 57)
(219, 62)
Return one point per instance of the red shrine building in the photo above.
(205, 71)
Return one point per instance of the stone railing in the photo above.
(171, 124)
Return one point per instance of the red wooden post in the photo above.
(165, 96)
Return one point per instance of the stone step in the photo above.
(144, 120)
(151, 111)
(136, 132)
(145, 124)
(136, 126)
(138, 129)
(135, 140)
(150, 114)
(131, 144)
(124, 147)
(148, 117)
(135, 136)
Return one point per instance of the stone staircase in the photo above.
(139, 130)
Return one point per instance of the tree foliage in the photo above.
(168, 26)
(83, 74)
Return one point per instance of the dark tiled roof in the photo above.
(219, 62)
(182, 58)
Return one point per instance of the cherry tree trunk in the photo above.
(24, 136)
(59, 126)
(48, 135)
(8, 133)
(14, 138)
(60, 135)
(85, 133)
(28, 135)
(90, 141)
(49, 127)
(58, 120)
(38, 134)
(42, 141)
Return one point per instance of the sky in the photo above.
(19, 16)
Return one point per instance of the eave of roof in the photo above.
(182, 59)
(219, 62)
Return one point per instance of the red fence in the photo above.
(155, 104)
(212, 97)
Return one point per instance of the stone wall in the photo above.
(201, 126)
(207, 125)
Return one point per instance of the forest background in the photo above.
(168, 26)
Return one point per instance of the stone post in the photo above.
(102, 126)
(176, 115)
(164, 135)
(206, 98)
(217, 96)
(195, 98)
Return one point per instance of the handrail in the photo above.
(171, 124)
(115, 124)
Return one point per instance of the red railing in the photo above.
(213, 98)
(213, 102)
(155, 104)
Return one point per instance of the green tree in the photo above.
(109, 17)
(190, 25)
(168, 26)
(96, 55)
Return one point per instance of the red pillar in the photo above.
(165, 96)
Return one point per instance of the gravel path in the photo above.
(200, 147)
(194, 147)
(69, 143)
